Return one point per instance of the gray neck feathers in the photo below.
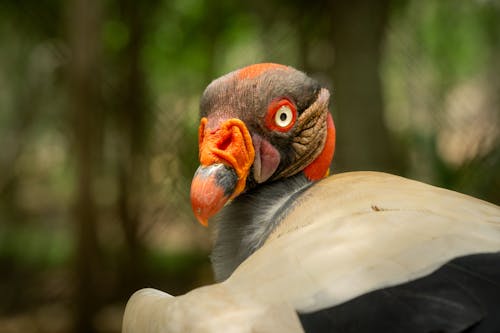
(244, 224)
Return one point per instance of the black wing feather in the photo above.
(461, 296)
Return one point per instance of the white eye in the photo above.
(283, 116)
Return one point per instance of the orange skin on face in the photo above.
(230, 144)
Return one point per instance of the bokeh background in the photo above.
(98, 124)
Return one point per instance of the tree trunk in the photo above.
(86, 107)
(363, 141)
(132, 116)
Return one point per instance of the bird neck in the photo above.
(244, 224)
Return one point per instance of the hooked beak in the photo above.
(226, 155)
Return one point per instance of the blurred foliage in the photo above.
(440, 97)
(441, 76)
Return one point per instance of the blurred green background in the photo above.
(98, 124)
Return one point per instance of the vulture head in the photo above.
(259, 124)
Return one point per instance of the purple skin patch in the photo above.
(267, 159)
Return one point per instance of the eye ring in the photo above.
(281, 115)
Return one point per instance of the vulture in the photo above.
(297, 250)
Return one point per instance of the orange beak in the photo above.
(226, 155)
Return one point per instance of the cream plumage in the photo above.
(354, 252)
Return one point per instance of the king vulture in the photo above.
(297, 251)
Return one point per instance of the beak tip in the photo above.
(200, 217)
(203, 221)
(201, 214)
(208, 195)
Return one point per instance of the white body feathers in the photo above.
(345, 236)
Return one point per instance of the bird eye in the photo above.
(281, 115)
